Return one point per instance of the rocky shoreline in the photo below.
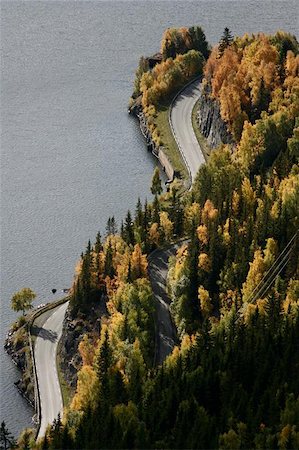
(208, 118)
(17, 347)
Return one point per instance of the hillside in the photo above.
(232, 381)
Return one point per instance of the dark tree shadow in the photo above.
(48, 335)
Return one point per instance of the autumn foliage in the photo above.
(251, 73)
(225, 381)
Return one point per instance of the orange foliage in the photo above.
(242, 78)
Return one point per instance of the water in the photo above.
(70, 154)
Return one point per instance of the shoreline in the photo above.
(22, 356)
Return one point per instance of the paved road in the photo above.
(166, 336)
(181, 122)
(45, 359)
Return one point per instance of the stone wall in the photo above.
(158, 152)
(211, 125)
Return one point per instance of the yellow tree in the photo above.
(86, 350)
(209, 212)
(205, 301)
(254, 276)
(248, 195)
(166, 225)
(192, 216)
(154, 235)
(204, 262)
(202, 234)
(138, 263)
(86, 392)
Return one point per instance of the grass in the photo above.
(66, 392)
(168, 141)
(200, 138)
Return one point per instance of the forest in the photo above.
(232, 380)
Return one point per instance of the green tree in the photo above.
(98, 247)
(156, 188)
(129, 229)
(111, 227)
(142, 67)
(22, 300)
(103, 361)
(6, 439)
(26, 439)
(108, 266)
(225, 41)
(199, 41)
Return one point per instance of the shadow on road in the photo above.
(48, 335)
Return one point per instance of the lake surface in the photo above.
(70, 155)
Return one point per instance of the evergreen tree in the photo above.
(98, 247)
(199, 41)
(111, 227)
(225, 41)
(103, 360)
(108, 267)
(156, 187)
(129, 230)
(86, 273)
(138, 214)
(6, 439)
(156, 210)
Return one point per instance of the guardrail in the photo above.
(189, 185)
(34, 315)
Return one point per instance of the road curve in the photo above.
(45, 359)
(166, 336)
(181, 124)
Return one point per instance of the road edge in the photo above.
(47, 307)
(198, 78)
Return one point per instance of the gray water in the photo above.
(70, 154)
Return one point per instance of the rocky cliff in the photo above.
(74, 329)
(211, 125)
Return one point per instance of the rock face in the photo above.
(211, 125)
(73, 332)
(19, 351)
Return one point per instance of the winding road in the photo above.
(45, 350)
(165, 329)
(50, 331)
(180, 119)
(181, 124)
(166, 333)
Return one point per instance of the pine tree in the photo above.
(86, 273)
(98, 247)
(6, 439)
(108, 267)
(98, 244)
(138, 214)
(129, 229)
(225, 41)
(103, 360)
(111, 227)
(156, 187)
(156, 210)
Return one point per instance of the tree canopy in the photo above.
(22, 300)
